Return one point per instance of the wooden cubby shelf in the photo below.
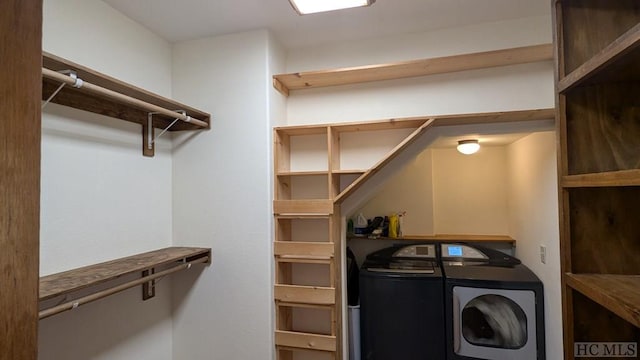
(625, 47)
(609, 178)
(91, 277)
(300, 340)
(101, 94)
(620, 294)
(597, 82)
(447, 64)
(298, 294)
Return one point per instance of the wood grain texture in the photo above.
(406, 69)
(625, 47)
(82, 278)
(618, 293)
(305, 340)
(300, 249)
(305, 294)
(591, 25)
(20, 87)
(603, 127)
(594, 323)
(610, 178)
(605, 232)
(310, 206)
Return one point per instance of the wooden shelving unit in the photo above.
(354, 75)
(101, 94)
(598, 79)
(92, 278)
(299, 215)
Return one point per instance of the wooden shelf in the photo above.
(302, 173)
(443, 238)
(354, 75)
(310, 206)
(83, 278)
(292, 339)
(603, 179)
(312, 295)
(619, 294)
(79, 99)
(104, 95)
(302, 249)
(349, 172)
(626, 47)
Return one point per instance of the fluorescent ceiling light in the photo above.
(468, 147)
(304, 7)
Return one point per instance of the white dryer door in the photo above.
(494, 323)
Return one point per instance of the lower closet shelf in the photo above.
(99, 280)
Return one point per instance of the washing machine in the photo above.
(401, 304)
(494, 305)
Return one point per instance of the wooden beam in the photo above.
(414, 68)
(20, 47)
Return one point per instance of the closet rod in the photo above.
(54, 75)
(104, 293)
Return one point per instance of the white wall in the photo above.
(100, 198)
(410, 191)
(468, 191)
(514, 87)
(533, 221)
(222, 197)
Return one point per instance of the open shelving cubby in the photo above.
(598, 79)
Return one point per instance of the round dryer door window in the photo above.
(494, 323)
(494, 320)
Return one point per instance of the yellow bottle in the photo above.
(393, 226)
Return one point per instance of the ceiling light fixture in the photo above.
(468, 147)
(304, 7)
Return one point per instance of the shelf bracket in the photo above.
(148, 288)
(148, 139)
(77, 84)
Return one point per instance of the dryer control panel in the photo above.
(462, 251)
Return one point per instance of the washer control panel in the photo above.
(462, 251)
(417, 251)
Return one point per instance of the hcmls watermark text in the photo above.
(605, 349)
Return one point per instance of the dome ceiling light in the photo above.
(468, 147)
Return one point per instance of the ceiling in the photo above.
(191, 19)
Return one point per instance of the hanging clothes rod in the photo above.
(102, 294)
(54, 75)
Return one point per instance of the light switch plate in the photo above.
(543, 254)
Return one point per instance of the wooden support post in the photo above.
(148, 288)
(148, 147)
(20, 89)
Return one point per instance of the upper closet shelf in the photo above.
(354, 75)
(70, 84)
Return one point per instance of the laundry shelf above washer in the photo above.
(443, 238)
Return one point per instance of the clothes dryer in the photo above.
(494, 305)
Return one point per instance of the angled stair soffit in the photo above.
(371, 182)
